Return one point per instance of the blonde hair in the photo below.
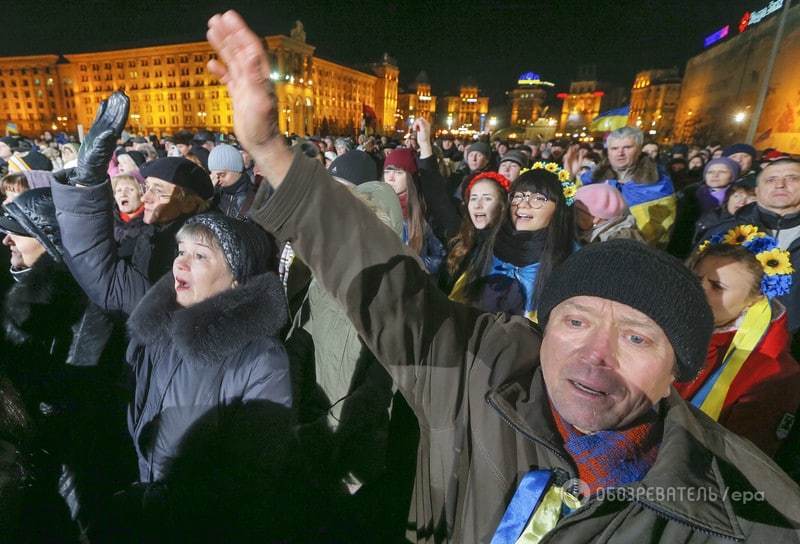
(125, 178)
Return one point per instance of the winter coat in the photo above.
(189, 362)
(623, 227)
(649, 195)
(765, 394)
(753, 214)
(475, 384)
(707, 221)
(235, 200)
(65, 357)
(442, 213)
(127, 232)
(113, 282)
(432, 253)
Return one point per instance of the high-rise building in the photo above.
(529, 99)
(721, 84)
(654, 100)
(467, 111)
(170, 89)
(417, 102)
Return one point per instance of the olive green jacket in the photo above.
(474, 382)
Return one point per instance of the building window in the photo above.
(174, 119)
(170, 60)
(198, 58)
(131, 64)
(199, 70)
(156, 62)
(184, 59)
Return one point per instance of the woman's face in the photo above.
(738, 199)
(531, 211)
(126, 164)
(128, 196)
(484, 204)
(200, 271)
(728, 285)
(718, 176)
(67, 153)
(398, 179)
(25, 250)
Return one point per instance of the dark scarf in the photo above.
(519, 247)
(240, 185)
(613, 458)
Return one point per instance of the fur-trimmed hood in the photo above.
(212, 330)
(645, 171)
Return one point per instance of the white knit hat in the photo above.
(225, 157)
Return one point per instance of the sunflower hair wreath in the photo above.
(568, 187)
(776, 262)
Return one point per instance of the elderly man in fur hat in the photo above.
(576, 433)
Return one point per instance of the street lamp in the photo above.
(493, 122)
(449, 121)
(739, 117)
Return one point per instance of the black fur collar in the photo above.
(45, 293)
(212, 330)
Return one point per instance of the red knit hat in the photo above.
(402, 158)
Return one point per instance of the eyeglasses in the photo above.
(158, 192)
(534, 200)
(791, 178)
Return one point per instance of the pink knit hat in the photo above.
(602, 200)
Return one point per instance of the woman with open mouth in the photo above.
(536, 235)
(129, 215)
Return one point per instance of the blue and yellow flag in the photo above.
(611, 120)
(653, 205)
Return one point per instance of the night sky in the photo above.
(492, 41)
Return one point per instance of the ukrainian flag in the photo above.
(654, 206)
(611, 120)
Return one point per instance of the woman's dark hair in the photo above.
(465, 241)
(560, 233)
(737, 186)
(561, 230)
(416, 214)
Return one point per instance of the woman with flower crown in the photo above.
(750, 383)
(535, 236)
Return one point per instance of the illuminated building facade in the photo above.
(721, 84)
(417, 103)
(170, 89)
(465, 112)
(587, 97)
(528, 100)
(654, 101)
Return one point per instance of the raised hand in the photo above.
(572, 159)
(422, 128)
(98, 146)
(243, 66)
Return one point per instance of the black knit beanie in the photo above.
(646, 279)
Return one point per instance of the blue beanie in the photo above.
(739, 148)
(225, 157)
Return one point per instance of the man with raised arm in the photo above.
(511, 419)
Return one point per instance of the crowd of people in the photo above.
(264, 337)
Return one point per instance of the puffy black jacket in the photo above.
(235, 200)
(191, 362)
(112, 282)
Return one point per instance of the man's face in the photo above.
(622, 153)
(5, 151)
(184, 149)
(502, 149)
(509, 169)
(224, 178)
(745, 161)
(447, 144)
(476, 160)
(650, 150)
(208, 145)
(25, 250)
(778, 188)
(161, 203)
(605, 364)
(556, 152)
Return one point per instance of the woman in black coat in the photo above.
(60, 353)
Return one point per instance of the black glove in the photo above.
(98, 146)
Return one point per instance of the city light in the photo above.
(739, 116)
(493, 122)
(449, 122)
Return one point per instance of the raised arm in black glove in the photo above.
(98, 146)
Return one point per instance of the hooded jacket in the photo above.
(235, 200)
(188, 362)
(474, 382)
